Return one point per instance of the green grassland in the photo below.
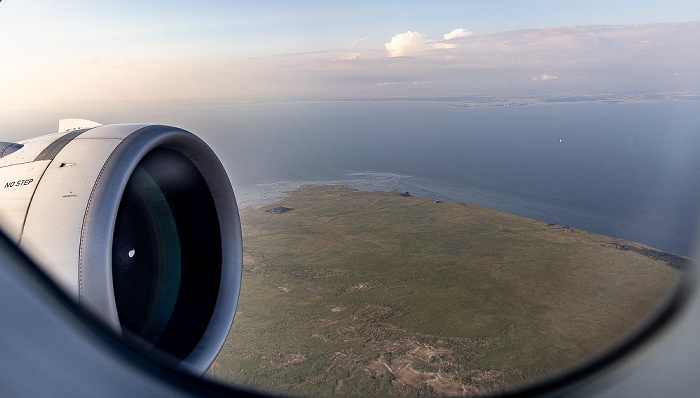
(357, 293)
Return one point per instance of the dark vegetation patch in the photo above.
(279, 210)
(674, 260)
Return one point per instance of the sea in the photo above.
(628, 170)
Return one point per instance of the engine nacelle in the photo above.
(138, 223)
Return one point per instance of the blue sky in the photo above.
(77, 51)
(288, 26)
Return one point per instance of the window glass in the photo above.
(436, 198)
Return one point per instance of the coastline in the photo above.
(621, 227)
(674, 260)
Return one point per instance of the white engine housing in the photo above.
(138, 223)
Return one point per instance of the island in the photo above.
(350, 293)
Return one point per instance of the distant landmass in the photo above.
(610, 98)
(485, 100)
(349, 293)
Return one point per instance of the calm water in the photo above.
(626, 170)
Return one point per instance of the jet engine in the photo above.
(138, 223)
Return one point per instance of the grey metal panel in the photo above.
(53, 223)
(55, 147)
(17, 186)
(7, 148)
(32, 147)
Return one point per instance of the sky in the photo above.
(58, 53)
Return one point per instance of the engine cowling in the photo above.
(138, 223)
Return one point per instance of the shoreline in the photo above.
(674, 260)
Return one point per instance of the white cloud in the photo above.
(459, 32)
(413, 43)
(440, 45)
(570, 50)
(350, 56)
(388, 83)
(406, 44)
(357, 41)
(544, 77)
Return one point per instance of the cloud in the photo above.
(440, 45)
(413, 43)
(350, 56)
(357, 41)
(544, 77)
(406, 44)
(388, 83)
(570, 50)
(568, 58)
(459, 32)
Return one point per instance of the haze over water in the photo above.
(625, 170)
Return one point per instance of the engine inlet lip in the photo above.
(95, 272)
